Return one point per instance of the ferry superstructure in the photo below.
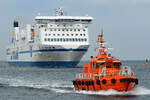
(52, 41)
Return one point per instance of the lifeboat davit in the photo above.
(104, 72)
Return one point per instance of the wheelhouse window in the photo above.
(116, 64)
(100, 64)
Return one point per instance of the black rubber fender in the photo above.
(82, 82)
(98, 82)
(74, 82)
(79, 82)
(89, 82)
(92, 83)
(136, 81)
(86, 83)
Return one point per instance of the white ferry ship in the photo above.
(57, 40)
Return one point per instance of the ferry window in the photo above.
(53, 34)
(63, 39)
(71, 34)
(80, 34)
(73, 39)
(51, 39)
(42, 25)
(71, 25)
(63, 34)
(66, 39)
(49, 34)
(83, 29)
(76, 34)
(58, 29)
(78, 29)
(60, 39)
(116, 65)
(46, 34)
(67, 34)
(70, 39)
(85, 39)
(79, 39)
(74, 29)
(45, 39)
(48, 39)
(66, 29)
(62, 29)
(58, 34)
(57, 25)
(54, 39)
(83, 34)
(76, 39)
(51, 30)
(54, 29)
(45, 29)
(70, 29)
(98, 65)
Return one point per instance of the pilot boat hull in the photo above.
(106, 83)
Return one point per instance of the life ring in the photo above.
(104, 81)
(113, 81)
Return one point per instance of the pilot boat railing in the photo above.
(125, 71)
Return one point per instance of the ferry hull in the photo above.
(66, 58)
(46, 64)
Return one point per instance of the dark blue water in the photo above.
(35, 83)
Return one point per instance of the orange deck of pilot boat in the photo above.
(104, 72)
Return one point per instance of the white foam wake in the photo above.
(67, 87)
(136, 91)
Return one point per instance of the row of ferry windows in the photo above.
(66, 39)
(65, 35)
(65, 30)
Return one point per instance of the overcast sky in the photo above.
(126, 22)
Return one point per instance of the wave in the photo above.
(136, 91)
(66, 87)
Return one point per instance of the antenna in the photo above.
(59, 10)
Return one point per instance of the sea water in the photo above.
(43, 83)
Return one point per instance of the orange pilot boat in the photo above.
(104, 72)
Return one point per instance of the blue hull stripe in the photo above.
(48, 50)
(48, 64)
